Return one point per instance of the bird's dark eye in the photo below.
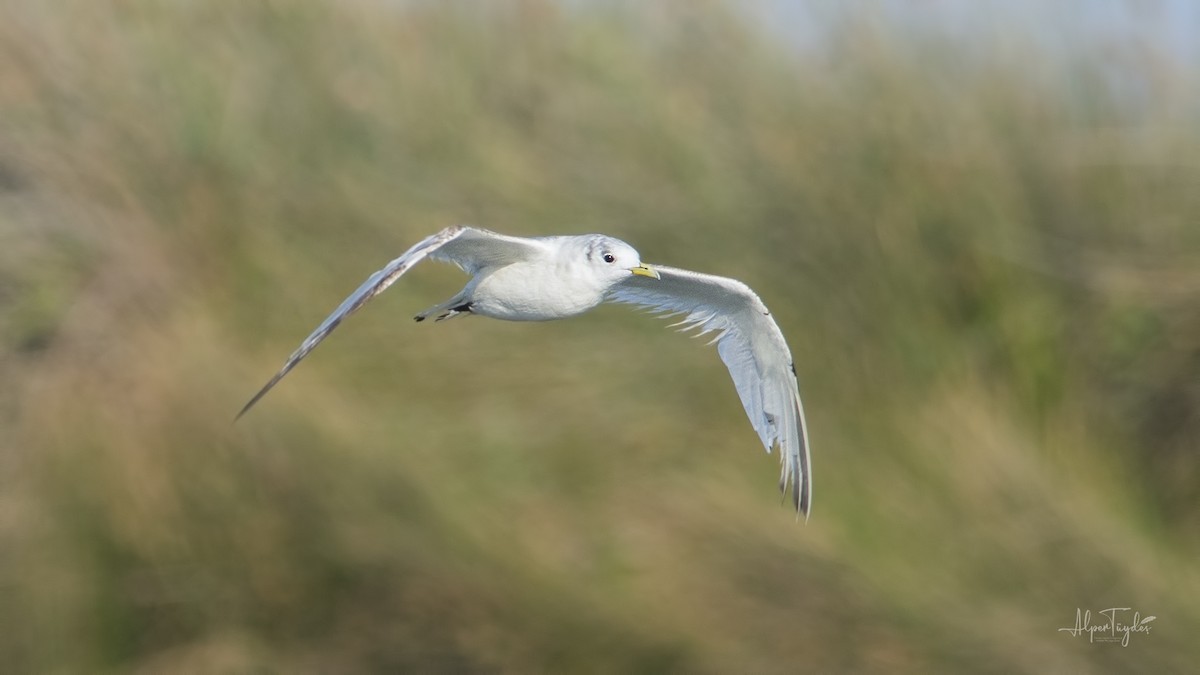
(610, 258)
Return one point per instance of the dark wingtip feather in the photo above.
(801, 495)
(262, 392)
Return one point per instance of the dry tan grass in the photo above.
(985, 261)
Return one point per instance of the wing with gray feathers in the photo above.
(468, 247)
(754, 351)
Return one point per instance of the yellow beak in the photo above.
(645, 271)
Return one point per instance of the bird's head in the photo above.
(614, 260)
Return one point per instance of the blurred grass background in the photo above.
(984, 251)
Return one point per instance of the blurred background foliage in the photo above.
(983, 248)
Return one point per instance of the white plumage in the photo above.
(545, 278)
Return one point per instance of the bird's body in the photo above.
(545, 287)
(546, 278)
(525, 292)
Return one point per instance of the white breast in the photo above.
(533, 292)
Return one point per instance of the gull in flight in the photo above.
(545, 278)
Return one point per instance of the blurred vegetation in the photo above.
(986, 257)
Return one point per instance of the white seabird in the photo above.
(544, 278)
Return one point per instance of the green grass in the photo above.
(984, 257)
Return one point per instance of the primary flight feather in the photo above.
(544, 278)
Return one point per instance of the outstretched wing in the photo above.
(752, 347)
(468, 247)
